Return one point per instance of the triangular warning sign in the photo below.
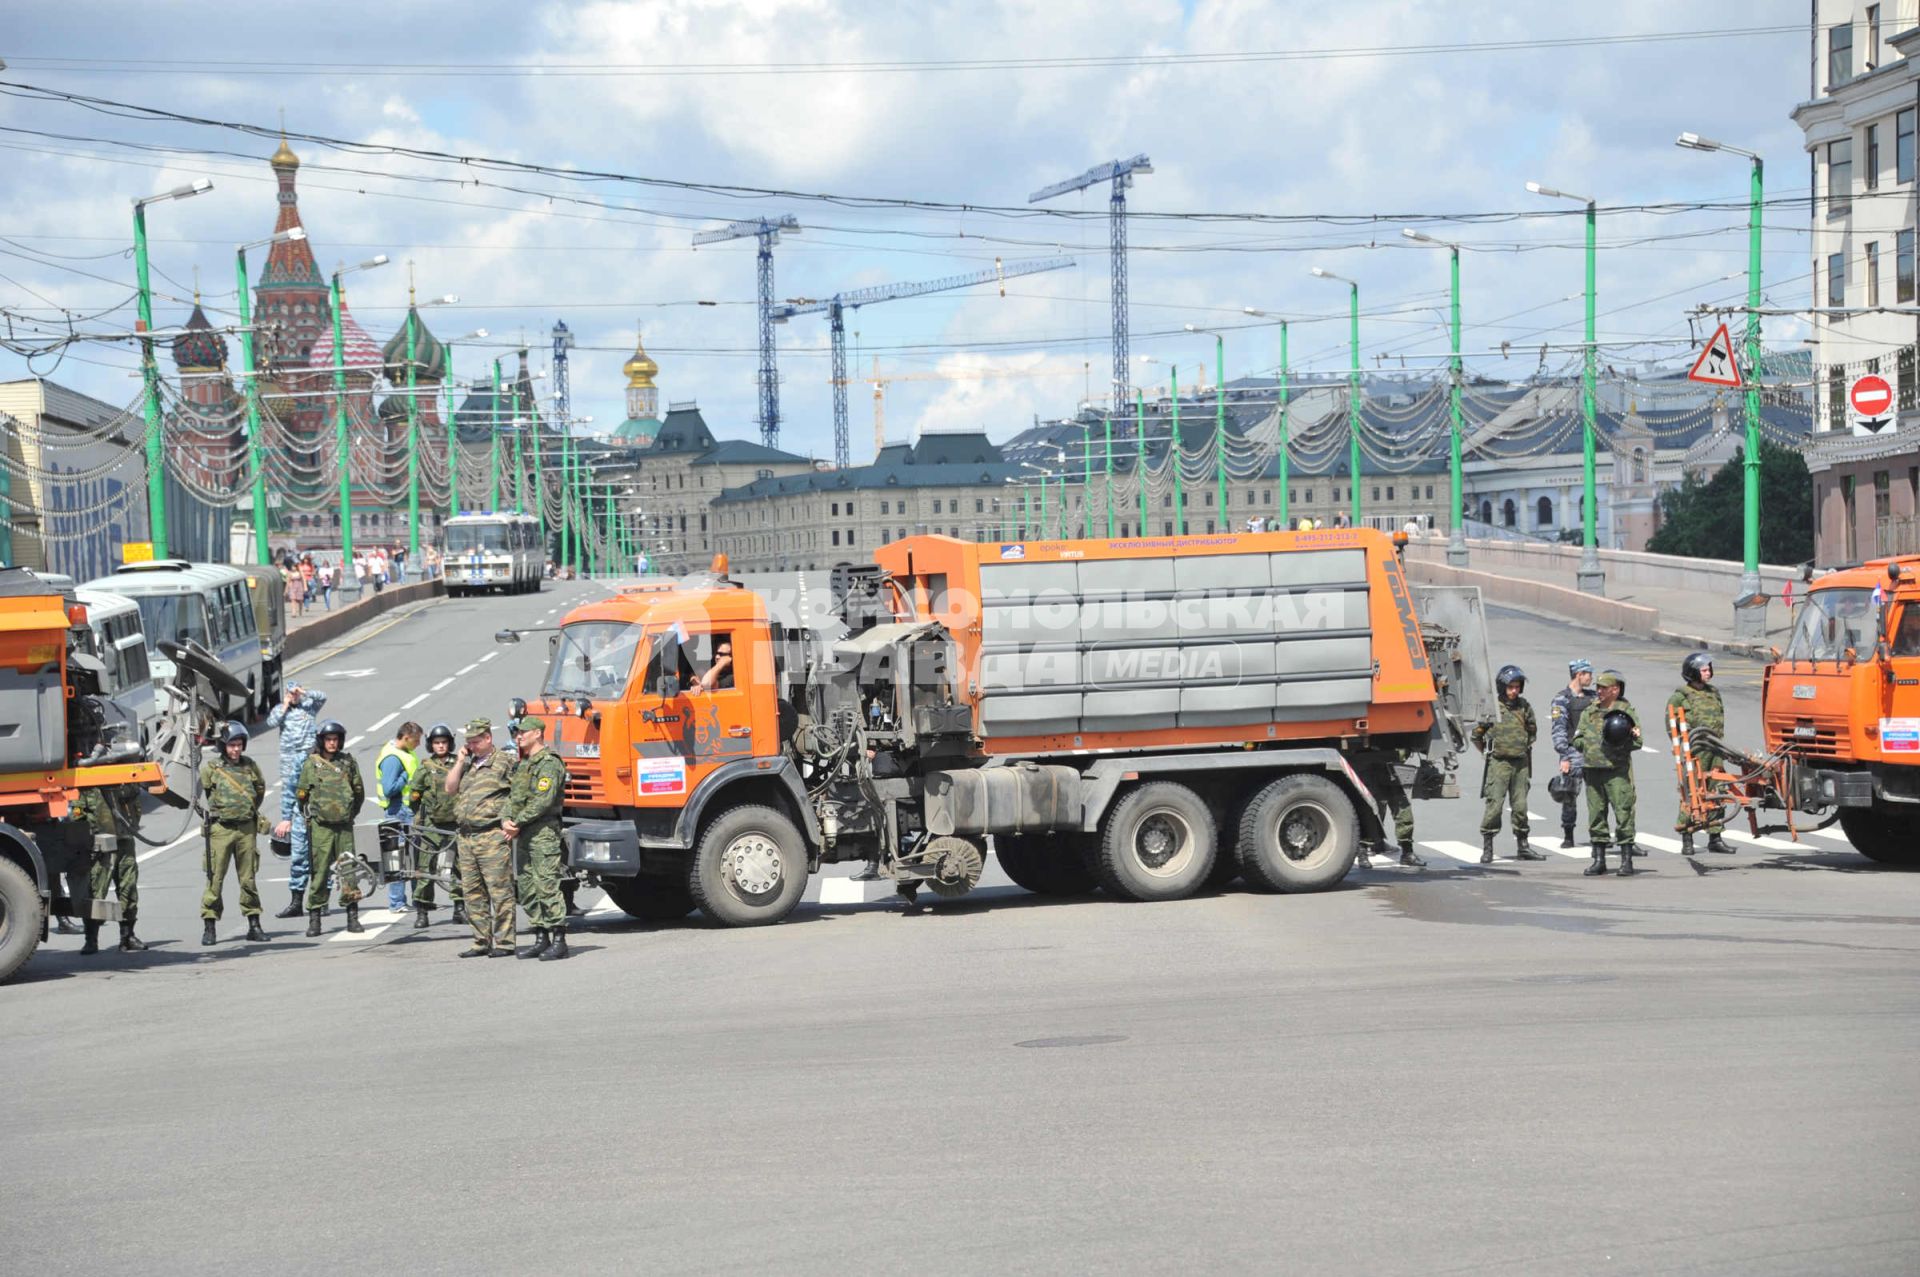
(1716, 365)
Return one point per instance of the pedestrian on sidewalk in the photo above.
(324, 575)
(394, 770)
(399, 565)
(297, 593)
(1508, 743)
(359, 574)
(297, 716)
(1562, 717)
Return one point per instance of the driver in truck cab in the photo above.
(1906, 639)
(719, 675)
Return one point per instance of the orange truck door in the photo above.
(1900, 723)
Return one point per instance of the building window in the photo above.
(1873, 36)
(1873, 272)
(1166, 501)
(1429, 492)
(1836, 400)
(1509, 513)
(1166, 528)
(1839, 177)
(1486, 511)
(1839, 55)
(1883, 494)
(1209, 504)
(1903, 266)
(1871, 178)
(1543, 512)
(1308, 498)
(1904, 364)
(1389, 492)
(979, 505)
(1376, 492)
(1903, 125)
(1836, 279)
(852, 537)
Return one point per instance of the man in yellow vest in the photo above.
(393, 774)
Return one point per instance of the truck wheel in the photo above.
(750, 868)
(1046, 866)
(1882, 836)
(1298, 834)
(1158, 843)
(651, 899)
(20, 918)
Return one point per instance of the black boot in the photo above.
(1686, 844)
(1566, 837)
(1486, 849)
(254, 930)
(295, 906)
(313, 922)
(1599, 864)
(419, 917)
(353, 917)
(1718, 846)
(1364, 858)
(130, 943)
(478, 951)
(207, 935)
(1411, 858)
(93, 937)
(558, 949)
(460, 913)
(567, 890)
(539, 945)
(1525, 849)
(1627, 852)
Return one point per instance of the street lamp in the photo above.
(1175, 453)
(1286, 471)
(453, 430)
(149, 371)
(1748, 622)
(1456, 530)
(256, 454)
(413, 418)
(1219, 419)
(1590, 577)
(1353, 391)
(340, 442)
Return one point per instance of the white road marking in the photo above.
(1464, 852)
(468, 670)
(1659, 842)
(374, 727)
(842, 891)
(368, 934)
(351, 743)
(442, 683)
(1772, 844)
(415, 701)
(1831, 835)
(489, 656)
(349, 674)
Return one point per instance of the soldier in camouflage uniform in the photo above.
(1508, 744)
(331, 793)
(1382, 780)
(1705, 712)
(1563, 715)
(234, 790)
(1609, 769)
(533, 818)
(298, 718)
(482, 783)
(433, 823)
(111, 813)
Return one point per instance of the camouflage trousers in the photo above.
(486, 883)
(433, 848)
(241, 847)
(1506, 786)
(1609, 788)
(1390, 797)
(119, 868)
(330, 843)
(1704, 761)
(539, 884)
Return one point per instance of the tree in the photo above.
(1706, 520)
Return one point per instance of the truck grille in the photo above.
(585, 787)
(1815, 737)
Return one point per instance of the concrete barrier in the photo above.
(331, 625)
(1623, 567)
(1555, 602)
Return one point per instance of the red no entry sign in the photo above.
(1871, 396)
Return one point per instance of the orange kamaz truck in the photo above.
(1143, 716)
(1842, 709)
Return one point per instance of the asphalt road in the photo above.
(1709, 1068)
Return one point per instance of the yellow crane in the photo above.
(881, 382)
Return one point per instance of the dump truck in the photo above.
(1146, 717)
(1840, 718)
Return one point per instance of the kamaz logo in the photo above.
(1403, 604)
(655, 716)
(1013, 551)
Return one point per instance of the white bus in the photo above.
(114, 620)
(496, 552)
(211, 604)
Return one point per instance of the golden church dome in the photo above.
(640, 368)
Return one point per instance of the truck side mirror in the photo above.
(506, 636)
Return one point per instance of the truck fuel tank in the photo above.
(1024, 797)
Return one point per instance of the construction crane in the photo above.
(880, 384)
(1120, 173)
(837, 305)
(767, 231)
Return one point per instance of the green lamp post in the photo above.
(341, 444)
(256, 452)
(1353, 390)
(1591, 578)
(150, 371)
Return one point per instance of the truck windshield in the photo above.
(464, 538)
(1833, 621)
(174, 617)
(595, 658)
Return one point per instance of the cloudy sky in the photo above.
(922, 105)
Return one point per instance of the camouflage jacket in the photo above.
(1597, 754)
(234, 791)
(109, 809)
(1511, 735)
(1563, 715)
(298, 727)
(428, 795)
(330, 790)
(484, 791)
(1704, 707)
(539, 783)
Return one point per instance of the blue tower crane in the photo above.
(562, 389)
(837, 305)
(767, 231)
(1120, 173)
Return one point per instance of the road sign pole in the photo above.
(1751, 622)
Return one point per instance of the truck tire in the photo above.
(1300, 833)
(750, 867)
(651, 898)
(1046, 865)
(1885, 837)
(1157, 843)
(20, 918)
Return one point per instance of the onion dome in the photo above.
(362, 356)
(640, 368)
(429, 356)
(393, 409)
(199, 349)
(283, 157)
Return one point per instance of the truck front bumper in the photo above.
(607, 847)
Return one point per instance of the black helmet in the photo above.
(439, 731)
(233, 731)
(331, 727)
(1560, 787)
(1508, 676)
(1691, 667)
(1617, 728)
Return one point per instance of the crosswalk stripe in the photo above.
(1659, 842)
(366, 935)
(1771, 844)
(842, 891)
(1830, 835)
(1465, 852)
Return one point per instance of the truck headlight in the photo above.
(596, 852)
